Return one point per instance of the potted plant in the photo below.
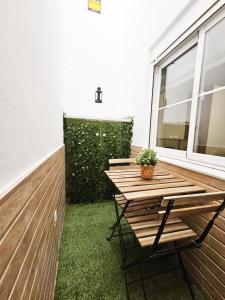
(147, 160)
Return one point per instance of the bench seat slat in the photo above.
(153, 231)
(155, 186)
(153, 223)
(143, 212)
(162, 192)
(168, 237)
(148, 217)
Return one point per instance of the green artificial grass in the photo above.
(89, 266)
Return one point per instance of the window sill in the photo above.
(194, 166)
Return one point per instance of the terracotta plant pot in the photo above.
(147, 172)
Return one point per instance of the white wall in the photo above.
(111, 50)
(30, 92)
(185, 19)
(191, 12)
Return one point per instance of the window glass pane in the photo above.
(177, 79)
(213, 71)
(173, 126)
(210, 129)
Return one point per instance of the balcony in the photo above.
(85, 83)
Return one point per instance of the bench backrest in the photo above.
(192, 204)
(122, 163)
(178, 206)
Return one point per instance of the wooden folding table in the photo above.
(164, 183)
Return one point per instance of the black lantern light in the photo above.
(98, 95)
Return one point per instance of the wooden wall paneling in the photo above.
(220, 221)
(32, 251)
(208, 180)
(34, 270)
(217, 247)
(49, 266)
(208, 287)
(28, 243)
(28, 231)
(31, 286)
(215, 257)
(32, 208)
(208, 274)
(48, 291)
(217, 271)
(135, 150)
(215, 231)
(43, 267)
(34, 290)
(42, 292)
(13, 202)
(52, 266)
(59, 232)
(52, 269)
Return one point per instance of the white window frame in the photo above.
(156, 97)
(189, 156)
(208, 159)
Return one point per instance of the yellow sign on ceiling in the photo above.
(94, 5)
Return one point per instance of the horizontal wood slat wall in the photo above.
(207, 265)
(29, 234)
(135, 150)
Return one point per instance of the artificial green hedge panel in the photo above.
(89, 146)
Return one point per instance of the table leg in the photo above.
(117, 223)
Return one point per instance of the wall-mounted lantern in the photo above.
(98, 95)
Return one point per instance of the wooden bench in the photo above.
(169, 217)
(169, 228)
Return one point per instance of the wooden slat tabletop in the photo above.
(163, 183)
(143, 182)
(147, 187)
(132, 175)
(141, 195)
(155, 177)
